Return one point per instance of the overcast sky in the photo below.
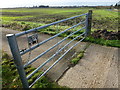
(22, 3)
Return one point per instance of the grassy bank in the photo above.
(11, 78)
(112, 43)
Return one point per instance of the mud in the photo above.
(107, 35)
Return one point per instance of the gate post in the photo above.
(88, 23)
(17, 59)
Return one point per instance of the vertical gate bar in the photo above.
(88, 23)
(17, 59)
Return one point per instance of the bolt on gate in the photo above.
(34, 39)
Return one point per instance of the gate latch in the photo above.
(33, 39)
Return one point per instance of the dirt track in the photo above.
(97, 69)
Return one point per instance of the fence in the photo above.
(33, 39)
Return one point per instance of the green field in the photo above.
(101, 18)
(28, 18)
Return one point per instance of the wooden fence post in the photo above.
(88, 23)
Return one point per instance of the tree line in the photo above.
(117, 6)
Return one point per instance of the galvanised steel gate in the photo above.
(33, 39)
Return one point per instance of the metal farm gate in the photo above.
(33, 39)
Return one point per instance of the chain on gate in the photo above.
(31, 40)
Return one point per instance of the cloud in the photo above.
(18, 3)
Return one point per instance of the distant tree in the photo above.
(111, 6)
(42, 6)
(117, 5)
(34, 6)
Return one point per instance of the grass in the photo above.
(112, 43)
(53, 30)
(7, 18)
(9, 74)
(101, 17)
(79, 55)
(26, 18)
(11, 78)
(74, 61)
(45, 10)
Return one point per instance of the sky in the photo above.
(27, 3)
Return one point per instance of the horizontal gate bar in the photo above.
(52, 56)
(55, 63)
(32, 48)
(87, 28)
(35, 29)
(52, 47)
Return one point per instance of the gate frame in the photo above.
(16, 52)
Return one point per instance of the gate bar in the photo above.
(17, 55)
(55, 63)
(52, 47)
(52, 56)
(32, 30)
(32, 48)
